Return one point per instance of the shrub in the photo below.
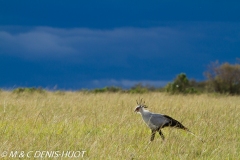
(180, 85)
(224, 78)
(99, 90)
(28, 90)
(107, 89)
(139, 88)
(113, 89)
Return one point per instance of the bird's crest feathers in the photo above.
(141, 103)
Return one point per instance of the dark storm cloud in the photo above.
(77, 44)
(187, 39)
(120, 56)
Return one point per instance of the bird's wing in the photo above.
(158, 119)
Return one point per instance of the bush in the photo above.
(139, 88)
(113, 89)
(107, 89)
(28, 90)
(224, 78)
(180, 85)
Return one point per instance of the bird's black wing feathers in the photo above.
(173, 123)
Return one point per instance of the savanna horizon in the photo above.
(106, 127)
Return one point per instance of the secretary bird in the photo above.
(158, 121)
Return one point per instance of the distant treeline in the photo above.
(221, 78)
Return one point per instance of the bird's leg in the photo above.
(161, 134)
(153, 135)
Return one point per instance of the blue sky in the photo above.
(87, 44)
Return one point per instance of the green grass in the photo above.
(105, 126)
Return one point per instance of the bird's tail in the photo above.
(175, 123)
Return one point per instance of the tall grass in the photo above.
(105, 126)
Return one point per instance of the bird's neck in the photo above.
(144, 112)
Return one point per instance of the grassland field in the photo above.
(105, 126)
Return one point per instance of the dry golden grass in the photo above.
(105, 126)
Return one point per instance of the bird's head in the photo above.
(140, 106)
